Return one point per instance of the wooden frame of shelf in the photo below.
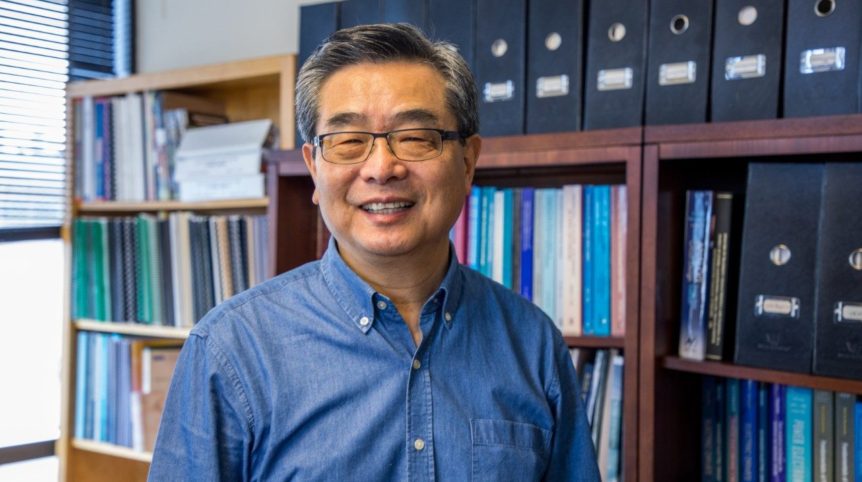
(680, 157)
(132, 329)
(116, 207)
(608, 156)
(112, 450)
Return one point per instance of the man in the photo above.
(386, 359)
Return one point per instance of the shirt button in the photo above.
(381, 305)
(417, 364)
(419, 444)
(364, 321)
(448, 316)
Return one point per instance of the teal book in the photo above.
(799, 434)
(474, 224)
(588, 262)
(550, 261)
(508, 231)
(602, 258)
(734, 424)
(857, 442)
(486, 254)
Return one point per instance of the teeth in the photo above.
(385, 208)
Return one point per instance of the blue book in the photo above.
(550, 261)
(474, 224)
(487, 243)
(708, 424)
(616, 417)
(777, 459)
(81, 385)
(720, 431)
(748, 431)
(763, 433)
(98, 152)
(111, 399)
(587, 261)
(857, 442)
(527, 197)
(695, 278)
(798, 434)
(508, 215)
(733, 430)
(602, 258)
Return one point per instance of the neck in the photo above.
(406, 280)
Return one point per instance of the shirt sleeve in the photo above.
(206, 426)
(573, 457)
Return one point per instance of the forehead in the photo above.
(376, 92)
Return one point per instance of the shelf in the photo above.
(729, 370)
(594, 342)
(101, 207)
(112, 450)
(245, 72)
(133, 329)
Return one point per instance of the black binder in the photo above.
(615, 64)
(414, 12)
(500, 65)
(359, 12)
(677, 85)
(821, 75)
(775, 316)
(554, 65)
(316, 23)
(454, 21)
(838, 343)
(746, 59)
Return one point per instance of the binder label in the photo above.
(499, 91)
(821, 60)
(552, 86)
(615, 79)
(780, 306)
(848, 312)
(677, 73)
(745, 67)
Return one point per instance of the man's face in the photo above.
(421, 200)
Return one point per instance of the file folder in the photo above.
(775, 316)
(616, 56)
(677, 84)
(316, 24)
(746, 59)
(454, 21)
(414, 12)
(501, 41)
(359, 12)
(554, 65)
(838, 340)
(821, 74)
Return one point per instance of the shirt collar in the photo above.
(356, 297)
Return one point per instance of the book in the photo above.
(763, 433)
(692, 336)
(733, 426)
(619, 241)
(823, 436)
(777, 421)
(708, 424)
(748, 431)
(718, 273)
(527, 223)
(845, 429)
(798, 435)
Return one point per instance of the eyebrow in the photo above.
(421, 116)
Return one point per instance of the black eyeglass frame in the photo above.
(444, 136)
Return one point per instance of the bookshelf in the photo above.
(540, 160)
(248, 89)
(707, 156)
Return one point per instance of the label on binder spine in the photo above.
(499, 91)
(821, 60)
(552, 86)
(776, 306)
(745, 67)
(848, 312)
(615, 79)
(677, 73)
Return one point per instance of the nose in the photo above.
(382, 166)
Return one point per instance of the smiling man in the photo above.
(386, 359)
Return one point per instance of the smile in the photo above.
(386, 208)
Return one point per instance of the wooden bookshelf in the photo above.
(133, 329)
(248, 89)
(543, 160)
(707, 156)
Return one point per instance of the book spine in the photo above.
(798, 435)
(692, 334)
(515, 254)
(527, 204)
(496, 252)
(844, 431)
(616, 416)
(474, 224)
(619, 237)
(733, 430)
(588, 261)
(720, 444)
(777, 419)
(748, 432)
(81, 384)
(763, 435)
(823, 436)
(718, 276)
(602, 278)
(507, 223)
(487, 222)
(857, 440)
(707, 429)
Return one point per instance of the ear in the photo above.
(471, 158)
(308, 157)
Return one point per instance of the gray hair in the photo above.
(385, 43)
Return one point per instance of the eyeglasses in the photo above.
(405, 144)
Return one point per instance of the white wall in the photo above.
(185, 33)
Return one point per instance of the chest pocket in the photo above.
(508, 451)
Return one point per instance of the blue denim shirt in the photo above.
(314, 376)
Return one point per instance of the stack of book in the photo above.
(121, 388)
(600, 373)
(759, 431)
(167, 270)
(562, 248)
